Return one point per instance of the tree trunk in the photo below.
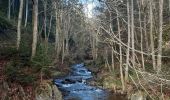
(120, 51)
(151, 35)
(113, 58)
(35, 28)
(146, 36)
(56, 29)
(9, 9)
(128, 48)
(141, 32)
(169, 9)
(45, 25)
(159, 59)
(26, 13)
(19, 23)
(132, 34)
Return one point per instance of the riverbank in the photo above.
(135, 88)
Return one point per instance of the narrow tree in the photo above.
(151, 34)
(159, 59)
(132, 33)
(9, 9)
(128, 48)
(26, 13)
(120, 52)
(19, 23)
(35, 27)
(141, 32)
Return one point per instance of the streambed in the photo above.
(75, 87)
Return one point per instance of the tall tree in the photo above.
(19, 23)
(128, 48)
(151, 34)
(9, 9)
(35, 27)
(141, 32)
(120, 52)
(159, 59)
(26, 13)
(132, 33)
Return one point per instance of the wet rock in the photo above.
(47, 92)
(56, 93)
(68, 81)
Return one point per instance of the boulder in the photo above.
(47, 92)
(56, 93)
(138, 96)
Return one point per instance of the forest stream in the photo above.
(75, 86)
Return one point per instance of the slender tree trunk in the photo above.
(141, 32)
(111, 31)
(19, 23)
(45, 25)
(13, 6)
(35, 28)
(120, 51)
(49, 30)
(159, 59)
(58, 31)
(9, 9)
(26, 13)
(113, 58)
(151, 35)
(146, 36)
(169, 9)
(128, 50)
(56, 35)
(132, 34)
(63, 49)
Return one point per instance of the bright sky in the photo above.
(88, 7)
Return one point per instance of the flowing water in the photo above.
(74, 86)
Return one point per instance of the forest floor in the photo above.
(13, 89)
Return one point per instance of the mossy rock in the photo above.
(108, 82)
(47, 92)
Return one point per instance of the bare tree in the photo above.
(128, 50)
(120, 52)
(151, 34)
(159, 59)
(26, 13)
(141, 32)
(9, 9)
(132, 33)
(19, 23)
(35, 27)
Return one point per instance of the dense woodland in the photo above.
(125, 43)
